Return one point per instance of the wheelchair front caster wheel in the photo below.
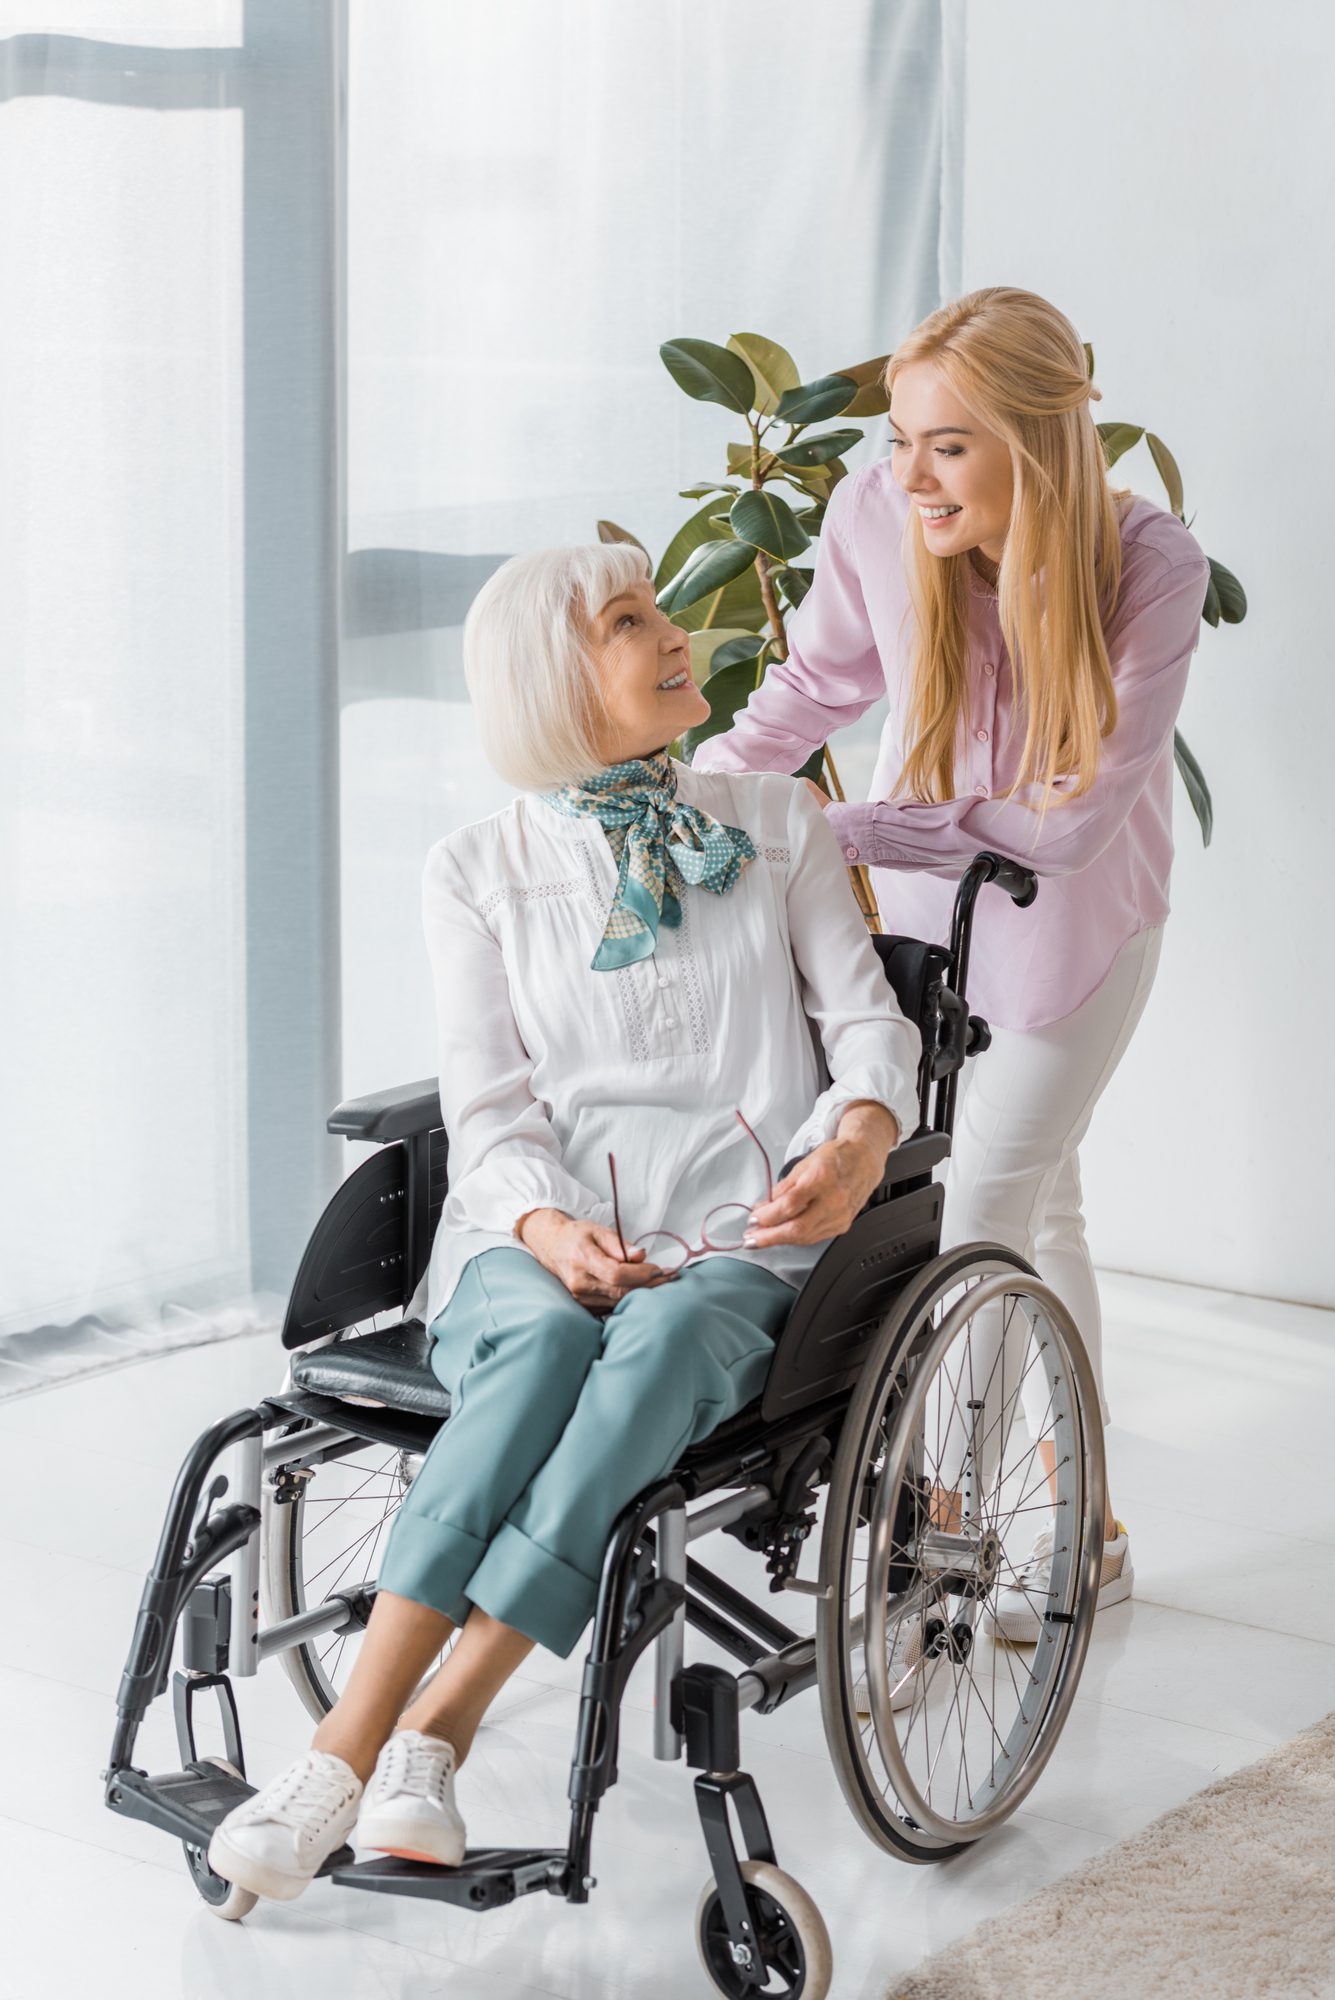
(792, 1939)
(223, 1897)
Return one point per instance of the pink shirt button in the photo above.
(988, 667)
(981, 791)
(852, 853)
(981, 734)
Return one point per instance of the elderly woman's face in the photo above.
(644, 672)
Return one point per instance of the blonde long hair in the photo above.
(1019, 365)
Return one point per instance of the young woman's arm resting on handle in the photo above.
(1149, 654)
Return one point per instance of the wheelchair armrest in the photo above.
(389, 1114)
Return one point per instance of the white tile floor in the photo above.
(1220, 1458)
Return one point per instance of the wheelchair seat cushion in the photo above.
(393, 1368)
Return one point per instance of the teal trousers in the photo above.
(558, 1418)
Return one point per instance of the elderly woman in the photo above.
(628, 963)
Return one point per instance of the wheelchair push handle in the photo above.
(1019, 882)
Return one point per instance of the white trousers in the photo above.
(1014, 1176)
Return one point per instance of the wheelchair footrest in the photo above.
(186, 1803)
(484, 1879)
(190, 1803)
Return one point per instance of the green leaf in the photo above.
(608, 531)
(739, 460)
(817, 480)
(1211, 610)
(706, 488)
(1197, 790)
(767, 522)
(694, 530)
(713, 649)
(726, 692)
(827, 396)
(772, 366)
(1166, 467)
(706, 569)
(1230, 593)
(1089, 358)
(812, 517)
(745, 646)
(793, 585)
(709, 373)
(820, 450)
(1118, 438)
(871, 399)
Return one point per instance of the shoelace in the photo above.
(419, 1767)
(302, 1790)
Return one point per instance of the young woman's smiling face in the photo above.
(942, 457)
(644, 672)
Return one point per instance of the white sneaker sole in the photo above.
(246, 1871)
(388, 1831)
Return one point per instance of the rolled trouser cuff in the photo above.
(430, 1562)
(535, 1592)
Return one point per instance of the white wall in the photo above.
(1164, 174)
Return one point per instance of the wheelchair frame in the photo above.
(365, 1257)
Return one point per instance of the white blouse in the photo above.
(546, 1065)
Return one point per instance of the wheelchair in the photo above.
(882, 1391)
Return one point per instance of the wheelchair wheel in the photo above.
(325, 1528)
(792, 1939)
(933, 1486)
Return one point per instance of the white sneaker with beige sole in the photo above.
(408, 1808)
(1016, 1613)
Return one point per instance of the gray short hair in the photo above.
(533, 682)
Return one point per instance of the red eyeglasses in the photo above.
(723, 1228)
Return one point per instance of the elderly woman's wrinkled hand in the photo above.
(821, 1196)
(586, 1257)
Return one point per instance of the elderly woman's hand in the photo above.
(830, 1186)
(586, 1257)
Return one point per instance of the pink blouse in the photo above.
(1104, 858)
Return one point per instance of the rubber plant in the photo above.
(743, 560)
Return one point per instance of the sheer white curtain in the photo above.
(538, 196)
(168, 811)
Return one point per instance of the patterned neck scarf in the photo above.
(658, 845)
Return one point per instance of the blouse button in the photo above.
(981, 791)
(981, 734)
(988, 668)
(663, 980)
(851, 853)
(669, 1021)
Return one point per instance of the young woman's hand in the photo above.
(822, 798)
(830, 1186)
(586, 1257)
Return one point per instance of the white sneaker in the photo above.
(910, 1675)
(277, 1841)
(1016, 1613)
(409, 1806)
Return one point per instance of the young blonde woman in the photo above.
(628, 962)
(1032, 627)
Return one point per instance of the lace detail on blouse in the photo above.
(536, 892)
(629, 998)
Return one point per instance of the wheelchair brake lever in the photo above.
(199, 1526)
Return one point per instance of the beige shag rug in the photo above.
(1228, 1897)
